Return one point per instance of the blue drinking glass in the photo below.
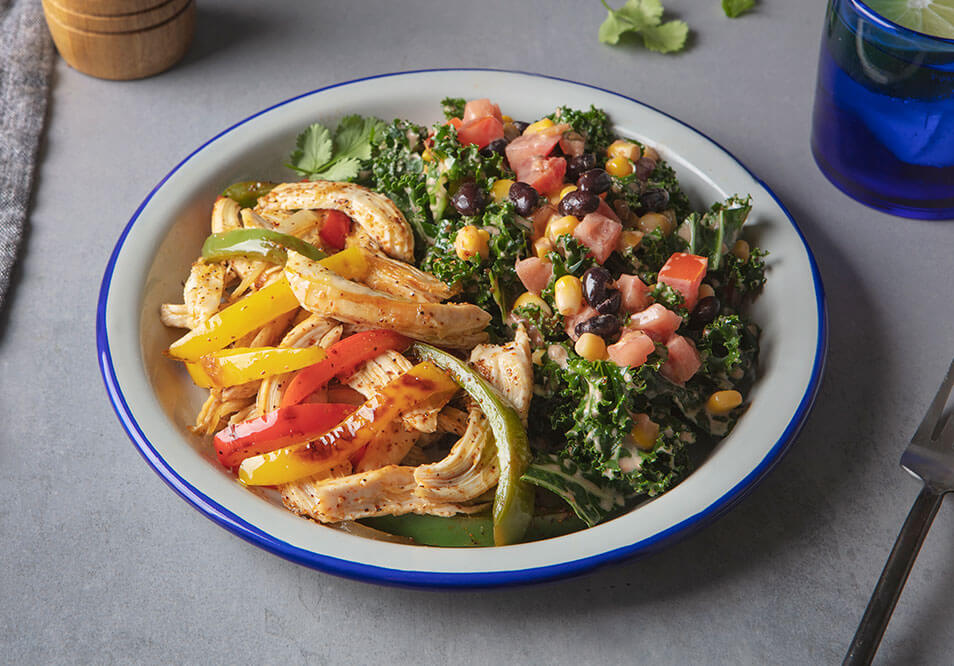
(883, 125)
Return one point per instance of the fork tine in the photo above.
(926, 429)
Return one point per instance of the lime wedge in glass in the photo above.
(932, 17)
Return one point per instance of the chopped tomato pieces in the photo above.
(480, 131)
(684, 272)
(481, 108)
(534, 273)
(335, 229)
(683, 361)
(600, 234)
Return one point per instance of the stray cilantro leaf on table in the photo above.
(318, 155)
(735, 8)
(644, 17)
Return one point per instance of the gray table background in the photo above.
(102, 563)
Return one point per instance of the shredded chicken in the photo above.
(468, 471)
(509, 368)
(373, 212)
(324, 292)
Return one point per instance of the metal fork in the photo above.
(929, 457)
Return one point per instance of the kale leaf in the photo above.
(453, 107)
(592, 497)
(594, 125)
(398, 173)
(670, 298)
(714, 233)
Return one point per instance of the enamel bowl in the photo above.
(155, 400)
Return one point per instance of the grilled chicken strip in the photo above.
(373, 212)
(509, 368)
(468, 471)
(202, 295)
(385, 491)
(323, 292)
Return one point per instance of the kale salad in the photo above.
(486, 331)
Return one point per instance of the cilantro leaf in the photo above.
(643, 17)
(735, 8)
(666, 38)
(319, 156)
(312, 149)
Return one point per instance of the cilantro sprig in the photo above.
(644, 17)
(320, 155)
(735, 8)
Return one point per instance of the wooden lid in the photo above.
(110, 7)
(59, 9)
(125, 55)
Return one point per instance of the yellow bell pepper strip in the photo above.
(267, 244)
(425, 380)
(228, 325)
(238, 365)
(513, 501)
(349, 263)
(246, 194)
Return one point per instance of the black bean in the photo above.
(705, 312)
(596, 181)
(468, 199)
(520, 125)
(654, 200)
(595, 281)
(644, 168)
(604, 325)
(579, 203)
(610, 304)
(497, 146)
(524, 198)
(577, 166)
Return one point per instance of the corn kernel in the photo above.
(471, 241)
(619, 167)
(538, 126)
(650, 152)
(427, 155)
(645, 432)
(741, 250)
(705, 291)
(627, 149)
(651, 221)
(629, 238)
(501, 189)
(561, 225)
(568, 295)
(542, 247)
(591, 347)
(723, 402)
(558, 197)
(671, 214)
(528, 298)
(506, 119)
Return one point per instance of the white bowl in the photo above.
(155, 400)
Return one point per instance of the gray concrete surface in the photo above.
(101, 563)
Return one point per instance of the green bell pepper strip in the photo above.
(246, 194)
(469, 531)
(258, 243)
(513, 501)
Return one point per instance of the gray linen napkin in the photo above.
(26, 58)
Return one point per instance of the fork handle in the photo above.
(896, 570)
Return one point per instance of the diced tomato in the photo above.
(480, 131)
(455, 122)
(656, 321)
(632, 349)
(535, 273)
(481, 108)
(541, 217)
(276, 429)
(572, 144)
(343, 357)
(635, 294)
(683, 361)
(684, 272)
(571, 321)
(600, 234)
(527, 156)
(335, 229)
(606, 210)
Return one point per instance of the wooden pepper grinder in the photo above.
(121, 39)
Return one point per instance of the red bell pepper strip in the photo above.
(343, 357)
(335, 229)
(277, 429)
